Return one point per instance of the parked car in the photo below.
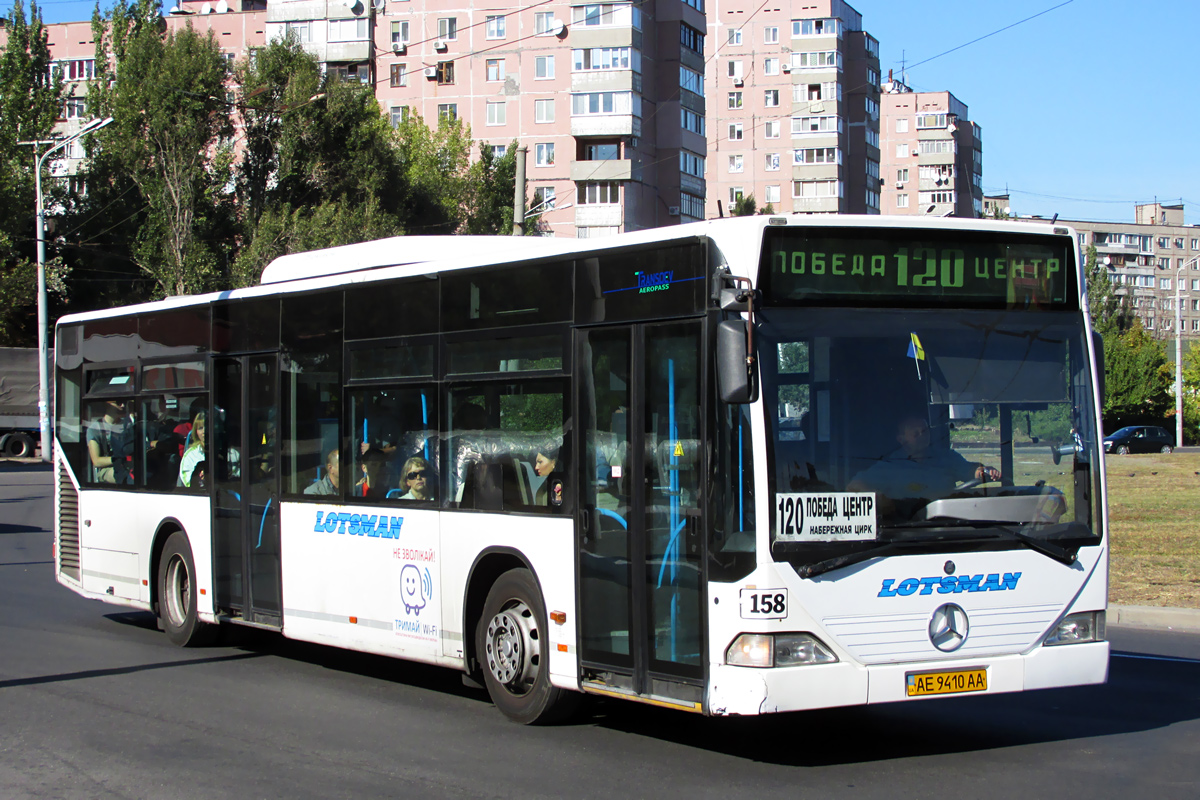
(1139, 439)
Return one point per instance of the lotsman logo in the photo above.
(950, 584)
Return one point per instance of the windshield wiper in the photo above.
(1063, 555)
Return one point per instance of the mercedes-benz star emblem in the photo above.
(948, 627)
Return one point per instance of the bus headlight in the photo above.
(1075, 628)
(778, 650)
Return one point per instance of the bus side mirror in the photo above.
(736, 378)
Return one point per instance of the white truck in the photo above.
(19, 432)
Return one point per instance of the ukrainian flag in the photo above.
(915, 348)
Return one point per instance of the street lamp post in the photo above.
(43, 366)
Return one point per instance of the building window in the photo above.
(735, 99)
(902, 200)
(348, 30)
(771, 66)
(1164, 241)
(772, 194)
(543, 198)
(495, 69)
(79, 69)
(597, 103)
(691, 38)
(902, 125)
(902, 150)
(691, 121)
(771, 98)
(691, 81)
(691, 164)
(771, 129)
(902, 175)
(828, 123)
(736, 163)
(829, 59)
(691, 206)
(543, 67)
(771, 35)
(398, 75)
(447, 112)
(1164, 283)
(598, 193)
(925, 121)
(735, 131)
(815, 27)
(445, 73)
(497, 113)
(543, 23)
(735, 193)
(543, 111)
(355, 73)
(817, 155)
(298, 31)
(772, 162)
(605, 58)
(1179, 243)
(74, 107)
(398, 114)
(543, 154)
(937, 198)
(400, 32)
(936, 146)
(734, 69)
(495, 27)
(448, 28)
(602, 14)
(735, 36)
(498, 150)
(816, 188)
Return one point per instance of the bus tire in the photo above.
(512, 645)
(177, 595)
(19, 445)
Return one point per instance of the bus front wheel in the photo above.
(511, 643)
(177, 595)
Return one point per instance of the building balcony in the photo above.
(311, 9)
(599, 215)
(606, 125)
(692, 185)
(347, 51)
(606, 80)
(609, 170)
(816, 205)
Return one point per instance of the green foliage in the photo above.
(491, 188)
(1138, 379)
(29, 105)
(1112, 311)
(1191, 395)
(435, 164)
(745, 206)
(171, 124)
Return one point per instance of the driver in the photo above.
(917, 470)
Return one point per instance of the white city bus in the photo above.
(734, 467)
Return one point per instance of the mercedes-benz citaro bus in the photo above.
(733, 467)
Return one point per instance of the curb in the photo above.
(1168, 619)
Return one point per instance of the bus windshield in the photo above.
(941, 429)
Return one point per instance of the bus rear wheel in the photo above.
(19, 445)
(512, 645)
(177, 595)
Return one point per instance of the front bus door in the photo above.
(641, 522)
(244, 457)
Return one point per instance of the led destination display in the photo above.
(916, 268)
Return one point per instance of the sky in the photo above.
(1086, 105)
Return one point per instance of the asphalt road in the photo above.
(95, 703)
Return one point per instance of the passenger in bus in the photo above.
(417, 479)
(376, 477)
(105, 444)
(917, 469)
(194, 453)
(543, 464)
(328, 485)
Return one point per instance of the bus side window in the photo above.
(393, 432)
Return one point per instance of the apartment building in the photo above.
(793, 93)
(931, 154)
(607, 98)
(1154, 260)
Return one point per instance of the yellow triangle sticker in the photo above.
(679, 449)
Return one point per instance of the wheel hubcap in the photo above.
(178, 591)
(512, 647)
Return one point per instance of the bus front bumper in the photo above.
(750, 691)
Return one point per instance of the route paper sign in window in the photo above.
(825, 517)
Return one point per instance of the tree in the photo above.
(1111, 311)
(170, 138)
(491, 187)
(1137, 378)
(1191, 395)
(30, 101)
(321, 167)
(745, 206)
(435, 163)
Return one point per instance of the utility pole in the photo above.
(519, 194)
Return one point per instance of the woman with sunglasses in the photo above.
(417, 478)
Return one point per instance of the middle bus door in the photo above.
(640, 543)
(245, 459)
